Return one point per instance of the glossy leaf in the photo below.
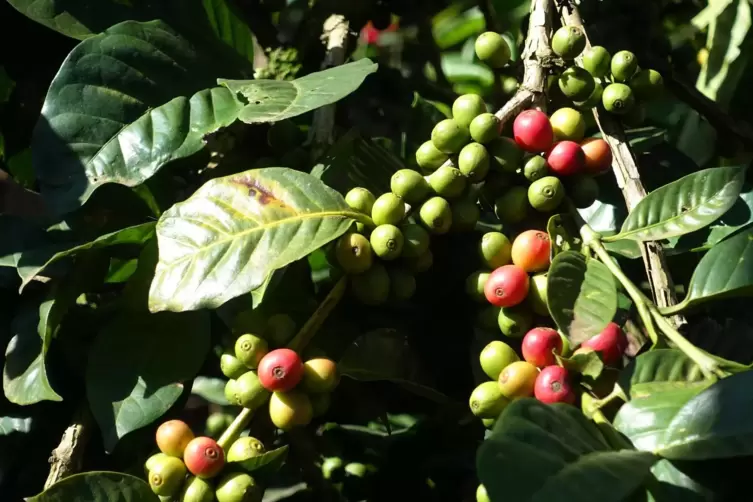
(587, 364)
(686, 205)
(269, 461)
(661, 370)
(587, 299)
(643, 139)
(563, 234)
(211, 389)
(9, 425)
(275, 100)
(138, 365)
(123, 104)
(229, 27)
(98, 486)
(539, 452)
(234, 231)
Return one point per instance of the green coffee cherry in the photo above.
(249, 349)
(360, 199)
(449, 137)
(509, 85)
(197, 490)
(238, 487)
(535, 168)
(568, 42)
(514, 322)
(506, 154)
(596, 61)
(485, 128)
(216, 424)
(593, 100)
(546, 194)
(245, 448)
(466, 108)
(353, 253)
(473, 162)
(403, 284)
(537, 298)
(568, 124)
(409, 185)
(280, 329)
(284, 136)
(416, 239)
(231, 367)
(576, 83)
(495, 357)
(356, 469)
(332, 468)
(250, 393)
(231, 392)
(373, 286)
(154, 460)
(512, 207)
(474, 285)
(492, 49)
(481, 495)
(429, 158)
(421, 263)
(624, 65)
(496, 183)
(487, 401)
(495, 250)
(583, 191)
(487, 318)
(436, 215)
(647, 84)
(465, 214)
(618, 99)
(387, 242)
(447, 182)
(166, 475)
(389, 209)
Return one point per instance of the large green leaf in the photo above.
(229, 27)
(98, 486)
(586, 298)
(540, 452)
(275, 100)
(234, 231)
(9, 425)
(643, 139)
(211, 389)
(123, 104)
(269, 461)
(661, 370)
(681, 207)
(455, 24)
(138, 365)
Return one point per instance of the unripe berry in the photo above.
(173, 436)
(290, 409)
(249, 349)
(166, 476)
(320, 375)
(245, 448)
(238, 487)
(197, 490)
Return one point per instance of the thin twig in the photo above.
(66, 459)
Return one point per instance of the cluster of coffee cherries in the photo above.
(614, 83)
(186, 466)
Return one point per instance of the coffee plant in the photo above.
(422, 250)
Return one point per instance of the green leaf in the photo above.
(587, 295)
(275, 100)
(269, 461)
(540, 452)
(21, 168)
(7, 85)
(587, 364)
(9, 425)
(661, 370)
(386, 355)
(234, 231)
(211, 389)
(458, 70)
(138, 365)
(98, 486)
(123, 104)
(643, 139)
(229, 27)
(562, 233)
(681, 207)
(455, 24)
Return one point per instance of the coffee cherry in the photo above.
(320, 375)
(509, 85)
(332, 468)
(388, 209)
(280, 370)
(598, 155)
(553, 386)
(230, 366)
(429, 158)
(197, 490)
(249, 349)
(353, 253)
(204, 458)
(611, 343)
(416, 240)
(618, 99)
(647, 84)
(487, 401)
(540, 345)
(512, 207)
(514, 322)
(623, 65)
(495, 250)
(249, 392)
(466, 108)
(245, 448)
(419, 264)
(530, 250)
(373, 286)
(436, 215)
(484, 128)
(537, 298)
(465, 214)
(596, 61)
(568, 42)
(238, 487)
(449, 136)
(583, 191)
(507, 286)
(489, 423)
(533, 131)
(173, 436)
(409, 185)
(474, 285)
(403, 284)
(518, 380)
(576, 83)
(216, 424)
(546, 194)
(495, 357)
(492, 49)
(320, 404)
(592, 101)
(387, 242)
(231, 392)
(566, 158)
(481, 495)
(569, 124)
(535, 168)
(447, 182)
(473, 162)
(506, 155)
(166, 475)
(290, 409)
(360, 199)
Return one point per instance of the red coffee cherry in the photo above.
(611, 342)
(280, 370)
(173, 436)
(530, 250)
(203, 457)
(533, 131)
(553, 386)
(539, 346)
(506, 286)
(566, 158)
(598, 155)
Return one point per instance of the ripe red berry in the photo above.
(566, 158)
(530, 250)
(506, 286)
(539, 346)
(598, 155)
(611, 342)
(203, 457)
(553, 386)
(173, 436)
(280, 370)
(533, 131)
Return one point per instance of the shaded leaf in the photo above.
(98, 486)
(211, 389)
(660, 370)
(457, 70)
(643, 139)
(9, 425)
(587, 364)
(229, 27)
(455, 24)
(270, 461)
(563, 234)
